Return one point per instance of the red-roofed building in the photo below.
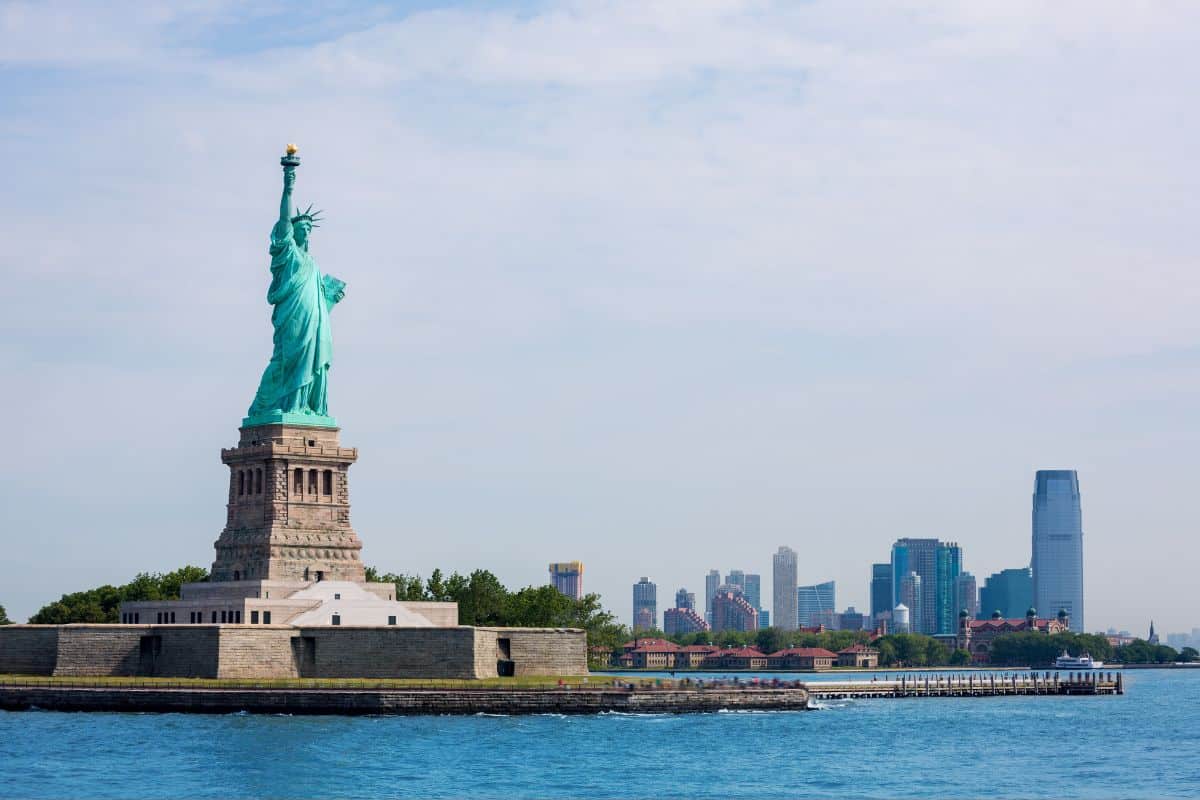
(803, 658)
(737, 658)
(858, 655)
(648, 654)
(693, 655)
(976, 635)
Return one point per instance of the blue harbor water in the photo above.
(1143, 744)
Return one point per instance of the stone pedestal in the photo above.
(289, 507)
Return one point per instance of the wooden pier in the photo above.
(973, 685)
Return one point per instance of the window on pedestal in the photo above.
(298, 481)
(312, 481)
(258, 481)
(266, 618)
(327, 484)
(253, 617)
(241, 482)
(214, 617)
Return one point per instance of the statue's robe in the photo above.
(295, 379)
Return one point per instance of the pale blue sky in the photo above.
(659, 286)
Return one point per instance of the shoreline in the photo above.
(368, 701)
(622, 671)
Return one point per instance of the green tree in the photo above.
(960, 658)
(481, 598)
(1187, 655)
(408, 587)
(101, 603)
(4, 620)
(770, 640)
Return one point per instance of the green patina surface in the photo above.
(294, 386)
(289, 418)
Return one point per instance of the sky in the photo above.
(659, 286)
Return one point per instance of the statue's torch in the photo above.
(291, 160)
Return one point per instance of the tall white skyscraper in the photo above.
(783, 590)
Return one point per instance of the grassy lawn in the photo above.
(522, 682)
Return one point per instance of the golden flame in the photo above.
(291, 149)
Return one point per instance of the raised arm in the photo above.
(287, 209)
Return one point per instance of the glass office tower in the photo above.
(1009, 591)
(1058, 545)
(938, 564)
(881, 590)
(711, 581)
(813, 601)
(645, 605)
(945, 593)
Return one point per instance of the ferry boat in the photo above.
(1082, 661)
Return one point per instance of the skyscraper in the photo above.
(945, 593)
(567, 577)
(813, 601)
(685, 599)
(1009, 591)
(645, 605)
(1058, 545)
(753, 589)
(736, 578)
(783, 589)
(733, 612)
(938, 564)
(682, 620)
(910, 596)
(968, 595)
(711, 582)
(882, 599)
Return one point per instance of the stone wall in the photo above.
(99, 649)
(393, 701)
(260, 651)
(390, 652)
(257, 652)
(28, 649)
(546, 651)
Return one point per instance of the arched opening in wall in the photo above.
(306, 573)
(298, 481)
(237, 575)
(241, 482)
(327, 482)
(312, 481)
(258, 481)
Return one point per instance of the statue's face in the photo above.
(300, 230)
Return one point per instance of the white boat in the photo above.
(1082, 661)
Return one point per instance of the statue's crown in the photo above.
(313, 217)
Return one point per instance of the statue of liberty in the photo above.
(293, 387)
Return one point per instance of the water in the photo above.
(1144, 744)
